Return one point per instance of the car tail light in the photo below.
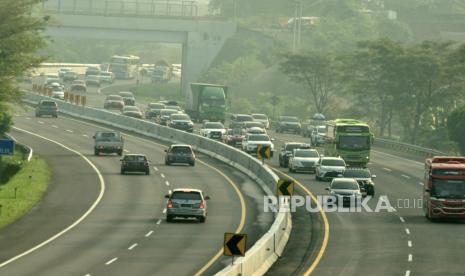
(169, 205)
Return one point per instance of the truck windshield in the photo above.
(448, 188)
(354, 142)
(213, 96)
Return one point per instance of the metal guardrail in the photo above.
(259, 258)
(134, 8)
(400, 146)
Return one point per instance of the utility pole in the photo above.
(297, 26)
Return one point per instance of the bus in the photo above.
(350, 139)
(124, 67)
(444, 187)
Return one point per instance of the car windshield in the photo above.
(306, 153)
(107, 136)
(126, 94)
(259, 138)
(48, 103)
(167, 112)
(289, 119)
(187, 195)
(213, 125)
(181, 150)
(235, 131)
(156, 106)
(244, 118)
(114, 98)
(291, 147)
(357, 173)
(131, 108)
(344, 185)
(448, 188)
(259, 116)
(180, 117)
(253, 124)
(135, 158)
(321, 129)
(333, 162)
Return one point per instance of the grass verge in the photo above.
(149, 92)
(23, 190)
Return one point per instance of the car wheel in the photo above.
(202, 219)
(192, 164)
(169, 218)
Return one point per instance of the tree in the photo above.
(456, 127)
(20, 38)
(317, 72)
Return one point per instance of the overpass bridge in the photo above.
(144, 21)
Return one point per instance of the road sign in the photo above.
(285, 187)
(263, 152)
(234, 244)
(7, 147)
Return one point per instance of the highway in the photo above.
(126, 233)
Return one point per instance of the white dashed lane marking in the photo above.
(387, 169)
(69, 130)
(54, 126)
(164, 211)
(407, 231)
(40, 122)
(409, 243)
(162, 175)
(149, 233)
(111, 261)
(132, 246)
(159, 221)
(407, 273)
(167, 183)
(402, 219)
(420, 183)
(155, 168)
(406, 176)
(410, 257)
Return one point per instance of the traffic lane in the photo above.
(125, 212)
(60, 207)
(76, 134)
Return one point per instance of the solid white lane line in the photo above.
(69, 130)
(409, 243)
(407, 273)
(406, 176)
(155, 168)
(410, 257)
(87, 213)
(162, 175)
(111, 261)
(167, 183)
(54, 126)
(132, 246)
(159, 221)
(387, 169)
(402, 219)
(164, 211)
(149, 233)
(407, 231)
(420, 183)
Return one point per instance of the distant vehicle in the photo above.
(175, 107)
(165, 115)
(254, 130)
(92, 70)
(59, 95)
(55, 86)
(113, 102)
(128, 97)
(176, 70)
(329, 168)
(350, 139)
(317, 137)
(233, 137)
(254, 124)
(180, 153)
(93, 80)
(307, 22)
(213, 130)
(49, 79)
(135, 163)
(363, 177)
(206, 102)
(106, 77)
(287, 150)
(444, 187)
(303, 160)
(46, 107)
(153, 110)
(132, 111)
(162, 72)
(70, 76)
(238, 120)
(181, 121)
(124, 67)
(309, 125)
(62, 72)
(78, 87)
(108, 142)
(288, 124)
(186, 203)
(251, 142)
(262, 118)
(345, 191)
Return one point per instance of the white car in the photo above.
(317, 136)
(303, 160)
(107, 77)
(251, 142)
(329, 168)
(60, 95)
(262, 118)
(213, 130)
(345, 191)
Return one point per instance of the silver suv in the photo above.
(186, 203)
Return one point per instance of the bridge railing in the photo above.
(145, 8)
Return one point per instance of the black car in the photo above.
(92, 70)
(181, 121)
(288, 124)
(135, 163)
(179, 153)
(153, 110)
(47, 108)
(364, 179)
(286, 152)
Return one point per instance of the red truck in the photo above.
(444, 187)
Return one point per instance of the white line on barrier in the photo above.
(149, 233)
(87, 213)
(111, 261)
(132, 246)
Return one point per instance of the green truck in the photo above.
(206, 101)
(350, 139)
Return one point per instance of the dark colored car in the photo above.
(186, 203)
(238, 120)
(181, 121)
(179, 153)
(286, 152)
(91, 70)
(363, 177)
(93, 80)
(153, 110)
(47, 108)
(135, 163)
(132, 111)
(128, 98)
(233, 137)
(288, 124)
(70, 76)
(165, 115)
(113, 102)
